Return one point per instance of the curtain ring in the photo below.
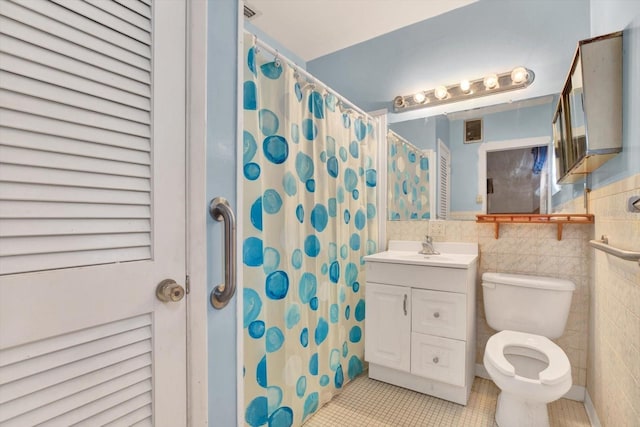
(276, 59)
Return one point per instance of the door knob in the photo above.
(169, 291)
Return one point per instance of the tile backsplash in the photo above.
(526, 249)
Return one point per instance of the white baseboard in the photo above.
(576, 392)
(591, 411)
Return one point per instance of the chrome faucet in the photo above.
(427, 246)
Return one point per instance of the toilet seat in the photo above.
(558, 370)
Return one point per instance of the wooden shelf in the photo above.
(558, 219)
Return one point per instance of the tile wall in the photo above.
(613, 368)
(526, 249)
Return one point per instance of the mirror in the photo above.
(521, 126)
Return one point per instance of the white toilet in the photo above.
(524, 363)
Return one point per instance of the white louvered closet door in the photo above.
(92, 212)
(444, 176)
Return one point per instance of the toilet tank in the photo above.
(532, 304)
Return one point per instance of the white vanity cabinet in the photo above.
(419, 325)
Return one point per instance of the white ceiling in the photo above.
(314, 28)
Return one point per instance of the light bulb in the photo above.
(519, 75)
(491, 81)
(419, 98)
(440, 92)
(465, 85)
(398, 102)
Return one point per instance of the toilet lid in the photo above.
(559, 367)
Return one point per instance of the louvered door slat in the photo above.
(28, 157)
(86, 404)
(63, 31)
(53, 93)
(123, 13)
(134, 338)
(29, 209)
(54, 144)
(47, 245)
(144, 423)
(50, 345)
(87, 25)
(61, 227)
(126, 414)
(128, 397)
(117, 358)
(54, 110)
(48, 126)
(43, 262)
(137, 6)
(56, 61)
(107, 20)
(97, 84)
(31, 192)
(70, 50)
(56, 397)
(75, 376)
(26, 174)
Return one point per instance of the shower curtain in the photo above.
(309, 189)
(408, 181)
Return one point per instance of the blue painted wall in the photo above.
(471, 41)
(443, 130)
(527, 122)
(221, 181)
(419, 132)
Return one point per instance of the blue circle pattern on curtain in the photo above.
(408, 181)
(309, 187)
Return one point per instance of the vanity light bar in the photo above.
(518, 78)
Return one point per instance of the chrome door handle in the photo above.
(220, 210)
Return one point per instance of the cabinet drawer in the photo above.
(418, 276)
(439, 313)
(441, 359)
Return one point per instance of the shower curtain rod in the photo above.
(306, 74)
(403, 140)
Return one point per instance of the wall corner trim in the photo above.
(591, 410)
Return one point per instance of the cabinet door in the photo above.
(387, 326)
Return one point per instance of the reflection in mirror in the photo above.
(516, 180)
(408, 180)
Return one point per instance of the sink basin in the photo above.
(452, 255)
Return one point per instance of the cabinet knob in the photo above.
(436, 314)
(436, 360)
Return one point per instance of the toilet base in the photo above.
(512, 411)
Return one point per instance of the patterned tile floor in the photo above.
(369, 403)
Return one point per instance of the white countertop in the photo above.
(452, 255)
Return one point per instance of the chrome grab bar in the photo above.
(603, 245)
(220, 210)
